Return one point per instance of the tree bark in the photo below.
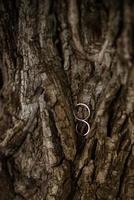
(54, 55)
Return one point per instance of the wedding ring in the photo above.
(88, 126)
(83, 104)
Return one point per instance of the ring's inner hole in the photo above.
(81, 112)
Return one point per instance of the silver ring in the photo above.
(88, 126)
(83, 104)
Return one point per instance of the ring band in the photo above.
(83, 104)
(88, 126)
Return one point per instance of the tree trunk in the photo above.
(55, 54)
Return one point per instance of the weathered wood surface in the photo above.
(53, 55)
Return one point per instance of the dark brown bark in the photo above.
(53, 55)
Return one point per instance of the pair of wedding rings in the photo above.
(84, 120)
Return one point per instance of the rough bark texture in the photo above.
(53, 55)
